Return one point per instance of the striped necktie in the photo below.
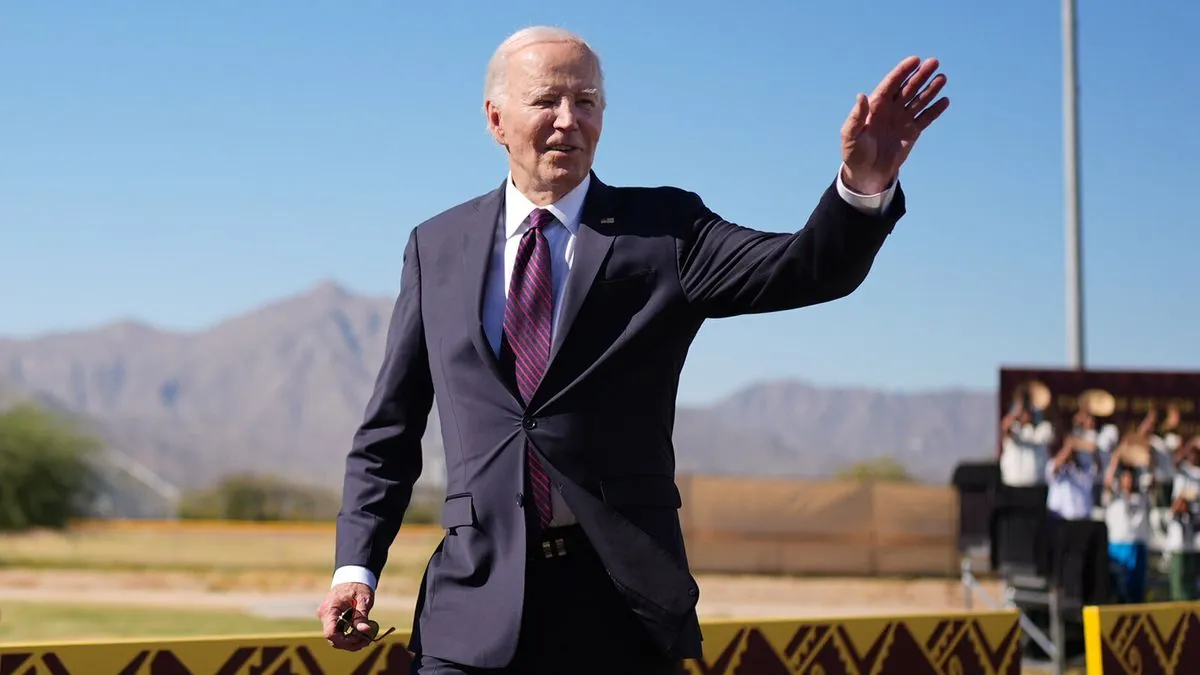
(528, 324)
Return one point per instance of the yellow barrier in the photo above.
(1160, 638)
(966, 644)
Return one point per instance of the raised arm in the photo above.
(727, 269)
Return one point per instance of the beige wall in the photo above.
(783, 526)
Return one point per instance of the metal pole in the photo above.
(1074, 263)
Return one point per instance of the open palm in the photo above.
(881, 129)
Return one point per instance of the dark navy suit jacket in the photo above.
(650, 265)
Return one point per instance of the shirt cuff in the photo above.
(869, 204)
(354, 574)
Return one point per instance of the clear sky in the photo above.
(181, 162)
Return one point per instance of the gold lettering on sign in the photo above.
(1138, 405)
(1188, 429)
(1186, 406)
(1141, 404)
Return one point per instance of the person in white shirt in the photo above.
(1166, 443)
(1023, 452)
(1071, 476)
(1127, 515)
(1094, 436)
(1181, 530)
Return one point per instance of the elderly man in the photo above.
(550, 319)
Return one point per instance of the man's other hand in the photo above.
(339, 599)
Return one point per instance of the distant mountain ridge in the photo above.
(281, 388)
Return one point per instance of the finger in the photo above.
(857, 118)
(890, 85)
(333, 633)
(350, 643)
(931, 113)
(362, 608)
(329, 629)
(917, 79)
(918, 103)
(329, 622)
(363, 602)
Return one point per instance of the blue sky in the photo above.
(181, 162)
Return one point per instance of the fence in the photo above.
(788, 526)
(967, 644)
(759, 526)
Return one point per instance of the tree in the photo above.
(47, 477)
(878, 469)
(247, 496)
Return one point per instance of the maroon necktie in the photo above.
(528, 322)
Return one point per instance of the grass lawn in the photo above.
(30, 622)
(27, 622)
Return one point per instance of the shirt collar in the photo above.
(567, 210)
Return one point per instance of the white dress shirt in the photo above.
(1070, 489)
(1128, 518)
(561, 237)
(1164, 448)
(1182, 530)
(1024, 454)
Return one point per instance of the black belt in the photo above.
(560, 542)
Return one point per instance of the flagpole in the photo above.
(1074, 253)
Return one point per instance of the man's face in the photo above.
(550, 117)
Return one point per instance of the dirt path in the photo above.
(297, 596)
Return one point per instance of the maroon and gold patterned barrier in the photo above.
(965, 644)
(1150, 639)
(968, 644)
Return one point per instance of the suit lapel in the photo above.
(592, 243)
(478, 238)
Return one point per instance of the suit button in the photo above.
(529, 423)
(521, 499)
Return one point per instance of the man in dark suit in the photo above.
(549, 320)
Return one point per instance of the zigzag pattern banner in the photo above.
(1150, 639)
(969, 644)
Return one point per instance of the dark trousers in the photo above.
(1183, 576)
(574, 621)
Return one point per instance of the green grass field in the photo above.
(28, 622)
(24, 622)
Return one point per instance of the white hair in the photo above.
(495, 83)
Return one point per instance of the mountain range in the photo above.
(281, 388)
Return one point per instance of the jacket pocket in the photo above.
(458, 511)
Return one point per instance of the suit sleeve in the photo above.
(727, 269)
(385, 456)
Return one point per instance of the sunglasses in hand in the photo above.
(346, 626)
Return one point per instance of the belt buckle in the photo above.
(559, 549)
